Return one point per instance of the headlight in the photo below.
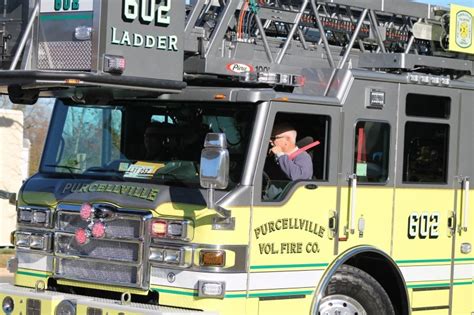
(39, 217)
(24, 215)
(27, 240)
(22, 240)
(37, 241)
(35, 216)
(156, 254)
(172, 256)
(177, 256)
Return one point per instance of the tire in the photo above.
(353, 291)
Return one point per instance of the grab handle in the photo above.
(352, 214)
(465, 206)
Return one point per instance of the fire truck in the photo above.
(156, 193)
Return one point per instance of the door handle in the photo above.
(332, 223)
(451, 223)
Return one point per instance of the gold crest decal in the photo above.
(463, 29)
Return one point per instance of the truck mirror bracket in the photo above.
(227, 224)
(223, 220)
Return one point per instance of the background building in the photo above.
(14, 159)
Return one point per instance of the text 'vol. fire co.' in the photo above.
(289, 246)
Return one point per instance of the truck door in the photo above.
(366, 180)
(291, 242)
(425, 194)
(463, 267)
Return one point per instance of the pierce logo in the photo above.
(239, 68)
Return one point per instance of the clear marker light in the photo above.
(214, 289)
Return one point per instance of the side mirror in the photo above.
(8, 195)
(18, 95)
(12, 199)
(214, 169)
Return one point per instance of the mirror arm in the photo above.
(210, 197)
(222, 212)
(223, 219)
(11, 197)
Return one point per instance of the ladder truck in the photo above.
(157, 191)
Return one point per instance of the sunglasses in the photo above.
(276, 137)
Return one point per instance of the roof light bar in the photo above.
(429, 79)
(284, 79)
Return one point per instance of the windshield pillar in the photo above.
(255, 143)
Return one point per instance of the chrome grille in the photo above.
(97, 271)
(117, 258)
(122, 227)
(97, 248)
(71, 55)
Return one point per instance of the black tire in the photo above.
(358, 285)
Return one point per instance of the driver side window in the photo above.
(297, 151)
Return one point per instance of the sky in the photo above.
(467, 3)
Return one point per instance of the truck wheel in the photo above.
(353, 291)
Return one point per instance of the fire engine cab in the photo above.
(159, 192)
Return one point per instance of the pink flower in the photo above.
(81, 236)
(98, 230)
(86, 211)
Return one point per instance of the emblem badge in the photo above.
(463, 29)
(239, 68)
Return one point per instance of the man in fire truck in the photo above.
(296, 164)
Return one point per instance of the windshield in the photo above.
(158, 142)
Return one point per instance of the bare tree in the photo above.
(35, 126)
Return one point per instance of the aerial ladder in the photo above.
(295, 36)
(273, 42)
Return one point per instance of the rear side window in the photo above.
(431, 106)
(372, 151)
(425, 157)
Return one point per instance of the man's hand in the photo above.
(276, 150)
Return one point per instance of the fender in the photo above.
(339, 261)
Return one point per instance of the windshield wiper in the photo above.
(71, 169)
(116, 174)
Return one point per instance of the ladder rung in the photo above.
(277, 15)
(398, 7)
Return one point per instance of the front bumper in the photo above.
(26, 302)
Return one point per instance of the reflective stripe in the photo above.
(436, 273)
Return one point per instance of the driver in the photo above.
(294, 163)
(153, 140)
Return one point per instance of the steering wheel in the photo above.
(265, 182)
